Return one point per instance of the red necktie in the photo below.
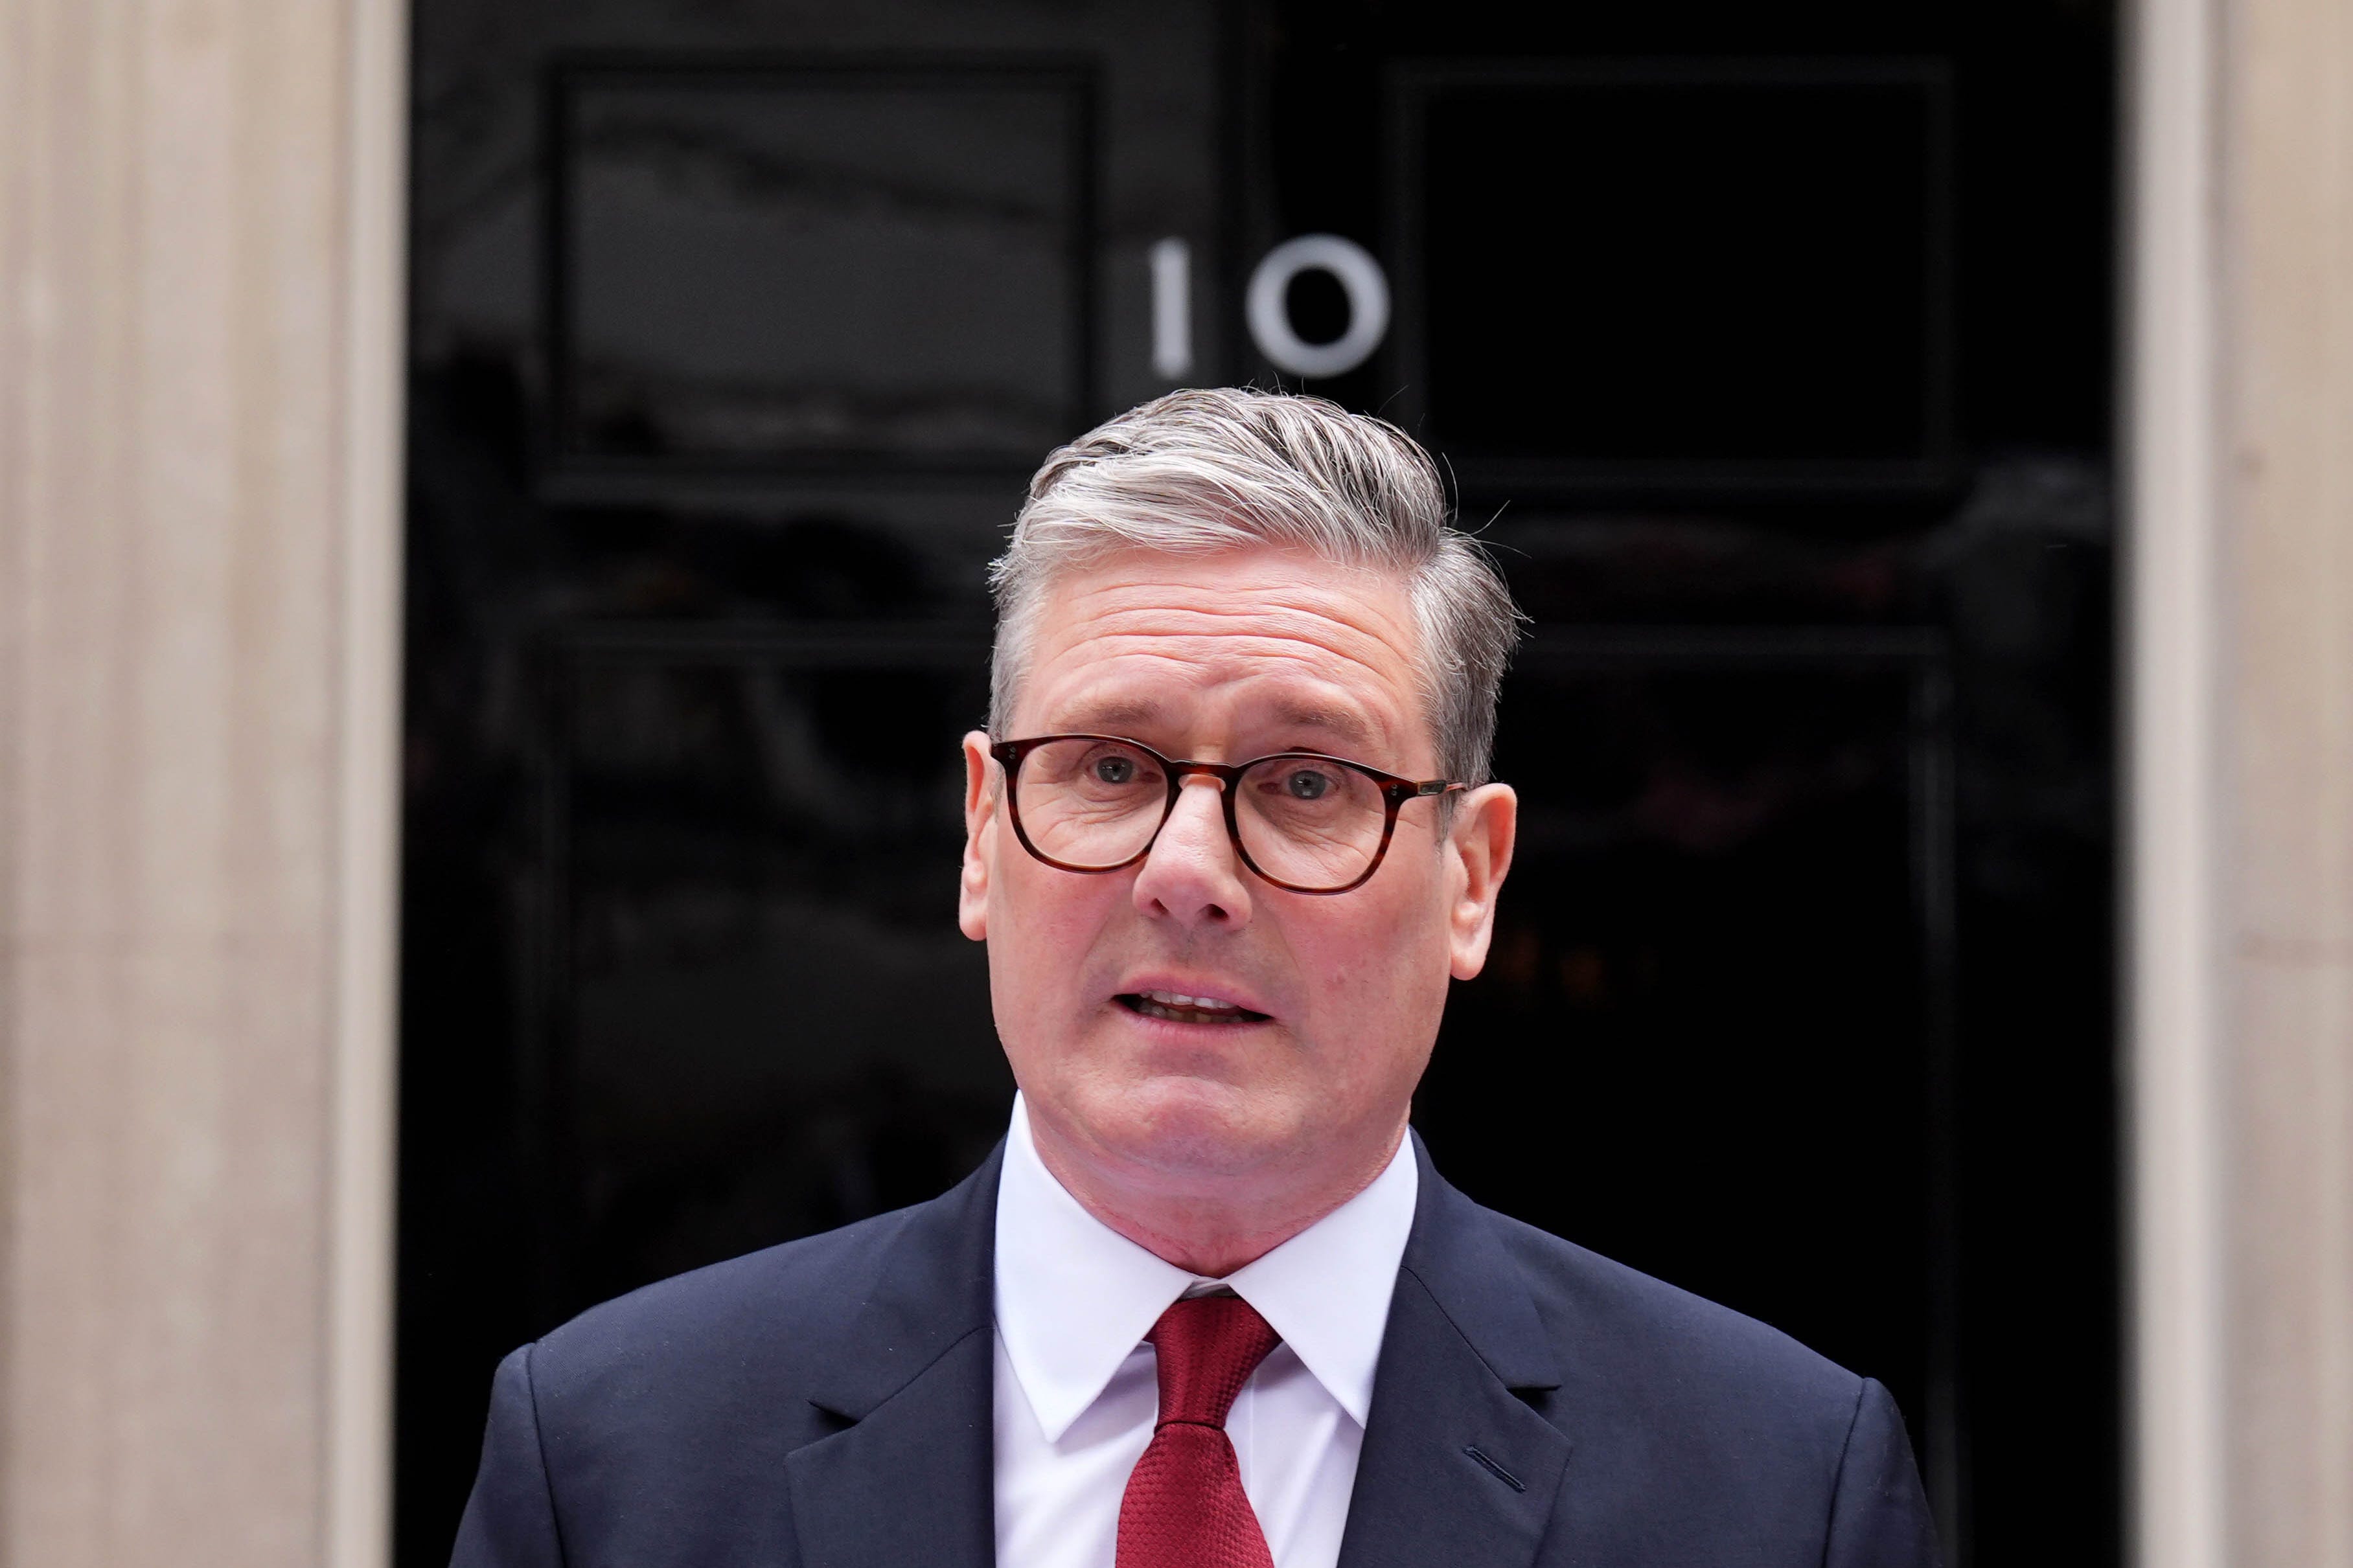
(1184, 1507)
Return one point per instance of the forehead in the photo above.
(1260, 638)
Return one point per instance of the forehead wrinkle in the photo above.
(1360, 613)
(1234, 656)
(1212, 635)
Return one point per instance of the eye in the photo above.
(1115, 770)
(1306, 784)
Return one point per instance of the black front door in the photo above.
(1770, 352)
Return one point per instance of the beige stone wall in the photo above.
(198, 562)
(2243, 653)
(2285, 577)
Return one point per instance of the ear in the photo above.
(981, 796)
(1486, 825)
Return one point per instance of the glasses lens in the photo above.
(1092, 802)
(1310, 823)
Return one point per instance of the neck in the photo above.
(1208, 1226)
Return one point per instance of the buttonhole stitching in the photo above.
(1495, 1469)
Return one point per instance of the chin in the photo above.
(1181, 1126)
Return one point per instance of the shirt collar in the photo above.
(1074, 1296)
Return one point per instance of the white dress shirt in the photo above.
(1077, 1389)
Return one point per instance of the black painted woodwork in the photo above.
(1769, 348)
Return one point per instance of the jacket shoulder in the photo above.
(1689, 1418)
(1655, 1346)
(718, 1354)
(1704, 1436)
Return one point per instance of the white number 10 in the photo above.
(1266, 306)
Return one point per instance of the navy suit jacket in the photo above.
(826, 1403)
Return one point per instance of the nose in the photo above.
(1192, 875)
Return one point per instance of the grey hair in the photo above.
(1218, 468)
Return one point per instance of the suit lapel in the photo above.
(910, 1478)
(1456, 1467)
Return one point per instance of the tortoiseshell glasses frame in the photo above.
(1395, 792)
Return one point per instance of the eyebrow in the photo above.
(1110, 718)
(1337, 721)
(1119, 715)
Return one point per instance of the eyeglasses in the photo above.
(1305, 822)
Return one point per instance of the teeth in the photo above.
(1200, 1004)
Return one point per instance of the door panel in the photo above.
(1685, 275)
(756, 1017)
(730, 241)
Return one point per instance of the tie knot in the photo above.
(1207, 1347)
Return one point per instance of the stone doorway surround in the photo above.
(2239, 1066)
(200, 235)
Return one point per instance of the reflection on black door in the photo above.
(1768, 349)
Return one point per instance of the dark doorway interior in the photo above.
(1770, 346)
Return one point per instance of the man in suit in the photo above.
(1229, 835)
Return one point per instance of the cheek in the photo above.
(1379, 979)
(1050, 921)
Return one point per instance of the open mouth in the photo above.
(1180, 1009)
